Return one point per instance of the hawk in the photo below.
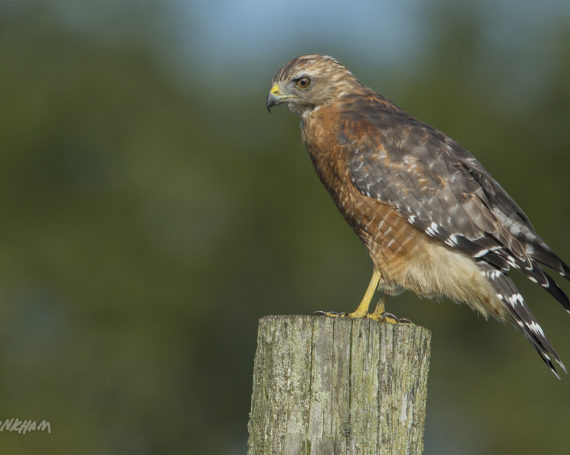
(431, 217)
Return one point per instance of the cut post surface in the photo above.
(338, 386)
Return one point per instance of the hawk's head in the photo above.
(310, 81)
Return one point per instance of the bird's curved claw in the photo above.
(330, 314)
(382, 317)
(389, 318)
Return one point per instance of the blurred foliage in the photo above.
(149, 220)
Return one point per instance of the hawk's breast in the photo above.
(385, 232)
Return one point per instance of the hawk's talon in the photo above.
(330, 314)
(383, 317)
(388, 318)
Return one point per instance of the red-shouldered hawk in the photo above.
(432, 218)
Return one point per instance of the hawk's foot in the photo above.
(330, 314)
(378, 317)
(334, 314)
(388, 317)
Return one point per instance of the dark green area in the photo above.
(150, 217)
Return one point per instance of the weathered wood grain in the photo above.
(338, 386)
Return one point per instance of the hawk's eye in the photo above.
(303, 82)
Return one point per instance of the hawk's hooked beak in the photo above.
(273, 98)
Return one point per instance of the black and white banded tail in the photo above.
(522, 317)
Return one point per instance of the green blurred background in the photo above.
(153, 211)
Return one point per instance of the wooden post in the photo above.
(327, 386)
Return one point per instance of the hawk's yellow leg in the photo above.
(362, 309)
(380, 314)
(380, 306)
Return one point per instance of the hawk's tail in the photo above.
(523, 318)
(542, 253)
(535, 273)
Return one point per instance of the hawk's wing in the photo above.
(441, 189)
